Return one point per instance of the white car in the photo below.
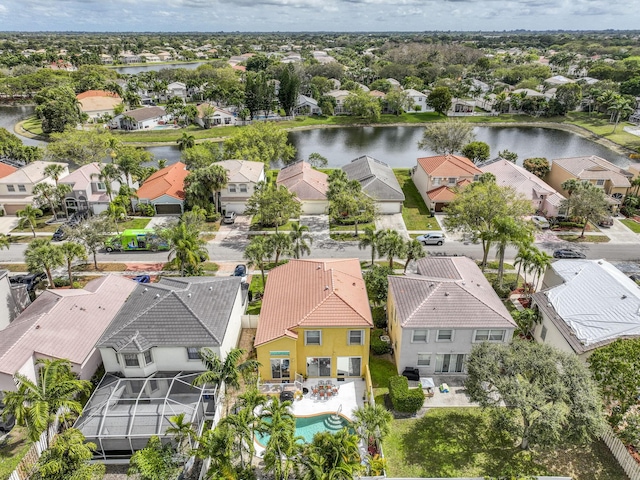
(540, 222)
(432, 238)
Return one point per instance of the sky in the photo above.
(316, 15)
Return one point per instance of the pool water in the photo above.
(307, 427)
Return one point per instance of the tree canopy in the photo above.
(477, 152)
(261, 142)
(539, 166)
(447, 138)
(440, 99)
(274, 206)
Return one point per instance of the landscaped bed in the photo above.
(459, 442)
(585, 239)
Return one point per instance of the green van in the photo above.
(136, 240)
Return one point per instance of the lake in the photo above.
(9, 116)
(154, 67)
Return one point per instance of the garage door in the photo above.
(440, 206)
(168, 209)
(12, 209)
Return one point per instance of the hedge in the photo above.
(404, 399)
(378, 347)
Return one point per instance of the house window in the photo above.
(452, 180)
(445, 335)
(420, 336)
(436, 181)
(148, 360)
(349, 366)
(243, 188)
(22, 188)
(193, 353)
(424, 359)
(232, 188)
(318, 366)
(476, 177)
(356, 337)
(11, 188)
(313, 337)
(543, 333)
(102, 187)
(489, 336)
(599, 183)
(131, 360)
(280, 368)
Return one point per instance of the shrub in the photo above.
(379, 317)
(146, 209)
(213, 217)
(300, 118)
(504, 291)
(64, 282)
(404, 399)
(378, 347)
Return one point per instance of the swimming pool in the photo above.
(164, 127)
(307, 427)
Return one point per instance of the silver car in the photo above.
(431, 238)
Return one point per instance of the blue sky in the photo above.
(316, 15)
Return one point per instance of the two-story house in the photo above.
(419, 101)
(243, 176)
(436, 316)
(88, 192)
(615, 181)
(315, 321)
(340, 96)
(16, 189)
(437, 177)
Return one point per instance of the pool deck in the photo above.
(349, 397)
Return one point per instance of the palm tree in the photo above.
(42, 255)
(216, 445)
(240, 425)
(41, 404)
(636, 183)
(154, 462)
(108, 174)
(186, 141)
(340, 453)
(128, 166)
(186, 246)
(414, 251)
(622, 109)
(391, 245)
(523, 261)
(115, 212)
(509, 231)
(539, 262)
(299, 237)
(71, 251)
(570, 186)
(279, 244)
(4, 241)
(257, 253)
(55, 171)
(29, 217)
(181, 431)
(250, 400)
(46, 193)
(371, 238)
(279, 422)
(60, 194)
(162, 163)
(372, 422)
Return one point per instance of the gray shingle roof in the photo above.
(186, 312)
(376, 177)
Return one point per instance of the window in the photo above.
(147, 357)
(318, 366)
(349, 366)
(445, 335)
(22, 188)
(193, 353)
(420, 336)
(599, 183)
(102, 186)
(452, 180)
(356, 337)
(11, 188)
(436, 181)
(243, 188)
(489, 336)
(476, 178)
(424, 359)
(543, 333)
(312, 337)
(131, 360)
(450, 363)
(232, 188)
(280, 368)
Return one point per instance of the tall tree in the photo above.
(588, 202)
(55, 171)
(477, 152)
(256, 254)
(29, 218)
(273, 205)
(279, 244)
(108, 175)
(72, 251)
(539, 166)
(299, 237)
(413, 251)
(551, 396)
(289, 89)
(57, 108)
(361, 104)
(376, 280)
(45, 193)
(202, 184)
(370, 239)
(186, 246)
(339, 454)
(41, 404)
(398, 101)
(510, 231)
(92, 234)
(78, 146)
(372, 421)
(42, 255)
(447, 138)
(263, 142)
(281, 448)
(440, 99)
(186, 141)
(182, 431)
(115, 212)
(391, 245)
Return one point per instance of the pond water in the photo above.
(9, 116)
(154, 67)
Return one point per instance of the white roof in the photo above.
(31, 173)
(597, 301)
(243, 170)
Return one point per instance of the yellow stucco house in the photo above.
(315, 321)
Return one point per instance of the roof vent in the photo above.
(37, 327)
(326, 287)
(145, 289)
(210, 288)
(157, 295)
(189, 294)
(354, 284)
(623, 297)
(318, 267)
(446, 294)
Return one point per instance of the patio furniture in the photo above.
(314, 391)
(328, 394)
(321, 383)
(334, 390)
(322, 395)
(427, 385)
(286, 396)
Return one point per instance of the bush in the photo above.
(378, 347)
(404, 399)
(504, 291)
(379, 317)
(146, 209)
(300, 118)
(213, 217)
(64, 282)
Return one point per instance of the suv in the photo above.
(606, 222)
(229, 217)
(432, 238)
(59, 235)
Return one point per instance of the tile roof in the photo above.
(243, 170)
(146, 113)
(167, 181)
(307, 183)
(594, 168)
(63, 323)
(6, 169)
(595, 305)
(376, 177)
(508, 174)
(202, 106)
(448, 292)
(31, 173)
(185, 312)
(98, 100)
(96, 93)
(448, 166)
(446, 193)
(313, 293)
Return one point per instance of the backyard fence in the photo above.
(622, 455)
(250, 321)
(25, 468)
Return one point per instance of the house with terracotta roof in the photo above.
(544, 199)
(6, 169)
(315, 321)
(98, 104)
(378, 182)
(87, 191)
(309, 185)
(242, 178)
(143, 118)
(164, 190)
(437, 177)
(437, 315)
(16, 188)
(614, 180)
(62, 323)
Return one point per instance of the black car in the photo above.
(568, 253)
(240, 271)
(31, 280)
(59, 234)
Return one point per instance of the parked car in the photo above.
(431, 238)
(31, 280)
(142, 278)
(540, 222)
(229, 217)
(240, 271)
(59, 235)
(606, 222)
(568, 253)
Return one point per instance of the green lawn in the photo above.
(255, 226)
(415, 213)
(11, 453)
(460, 442)
(632, 225)
(599, 124)
(33, 125)
(507, 278)
(493, 265)
(41, 226)
(585, 239)
(334, 227)
(134, 223)
(381, 370)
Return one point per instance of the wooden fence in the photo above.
(622, 455)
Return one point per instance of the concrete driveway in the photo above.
(8, 223)
(234, 231)
(619, 233)
(392, 222)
